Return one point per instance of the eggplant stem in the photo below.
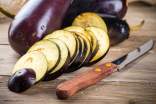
(138, 26)
(6, 13)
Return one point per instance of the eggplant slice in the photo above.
(87, 49)
(68, 38)
(90, 19)
(80, 32)
(79, 58)
(34, 60)
(79, 45)
(94, 42)
(103, 41)
(87, 34)
(64, 61)
(50, 50)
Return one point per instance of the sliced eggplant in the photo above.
(87, 49)
(79, 48)
(63, 63)
(50, 50)
(79, 59)
(90, 19)
(35, 61)
(68, 38)
(79, 30)
(86, 37)
(87, 34)
(103, 41)
(94, 42)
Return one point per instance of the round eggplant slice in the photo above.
(35, 61)
(79, 59)
(68, 38)
(94, 42)
(79, 46)
(82, 54)
(87, 39)
(87, 49)
(103, 41)
(50, 50)
(90, 19)
(89, 35)
(78, 29)
(63, 63)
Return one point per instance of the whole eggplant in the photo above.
(36, 19)
(106, 8)
(110, 8)
(118, 30)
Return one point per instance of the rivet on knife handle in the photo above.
(69, 88)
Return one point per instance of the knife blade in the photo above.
(133, 55)
(91, 77)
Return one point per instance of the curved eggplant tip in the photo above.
(22, 80)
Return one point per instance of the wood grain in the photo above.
(107, 92)
(136, 85)
(3, 32)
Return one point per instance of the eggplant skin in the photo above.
(22, 80)
(49, 77)
(111, 8)
(118, 30)
(98, 60)
(107, 8)
(36, 19)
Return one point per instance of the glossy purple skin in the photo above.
(118, 30)
(35, 20)
(22, 80)
(111, 8)
(107, 8)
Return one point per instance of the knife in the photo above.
(91, 77)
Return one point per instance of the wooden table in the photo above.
(136, 85)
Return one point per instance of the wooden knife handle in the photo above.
(84, 80)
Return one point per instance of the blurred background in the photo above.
(10, 5)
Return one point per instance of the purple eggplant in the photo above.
(35, 20)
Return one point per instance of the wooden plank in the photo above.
(7, 59)
(108, 92)
(4, 32)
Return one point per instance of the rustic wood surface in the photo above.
(136, 85)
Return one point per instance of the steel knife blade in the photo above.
(133, 55)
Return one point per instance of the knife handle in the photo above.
(84, 80)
